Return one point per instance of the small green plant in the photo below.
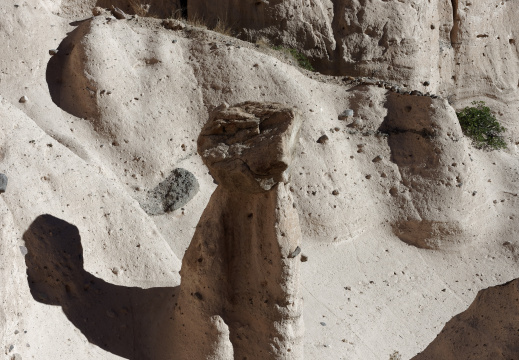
(481, 125)
(301, 59)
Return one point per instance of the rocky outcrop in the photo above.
(434, 162)
(458, 47)
(486, 330)
(240, 275)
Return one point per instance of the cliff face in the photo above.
(459, 47)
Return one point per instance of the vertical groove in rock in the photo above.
(455, 23)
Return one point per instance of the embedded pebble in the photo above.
(173, 24)
(97, 11)
(345, 114)
(53, 52)
(335, 192)
(377, 158)
(23, 99)
(323, 324)
(357, 123)
(24, 250)
(3, 183)
(294, 253)
(323, 139)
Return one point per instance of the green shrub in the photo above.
(481, 125)
(301, 59)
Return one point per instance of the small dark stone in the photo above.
(294, 253)
(322, 323)
(416, 93)
(118, 13)
(53, 52)
(304, 258)
(323, 139)
(377, 158)
(426, 83)
(199, 296)
(3, 183)
(335, 192)
(172, 193)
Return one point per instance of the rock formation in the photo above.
(404, 220)
(486, 330)
(240, 275)
(454, 45)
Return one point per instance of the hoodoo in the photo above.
(240, 292)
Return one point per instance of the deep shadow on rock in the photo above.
(127, 321)
(423, 136)
(488, 329)
(62, 95)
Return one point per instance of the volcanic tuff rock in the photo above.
(486, 330)
(249, 147)
(237, 275)
(122, 102)
(454, 45)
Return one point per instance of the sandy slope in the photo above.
(87, 158)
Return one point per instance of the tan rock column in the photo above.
(239, 295)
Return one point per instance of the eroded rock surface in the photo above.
(238, 278)
(486, 330)
(248, 147)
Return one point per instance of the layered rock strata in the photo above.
(239, 293)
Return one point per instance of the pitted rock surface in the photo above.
(249, 147)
